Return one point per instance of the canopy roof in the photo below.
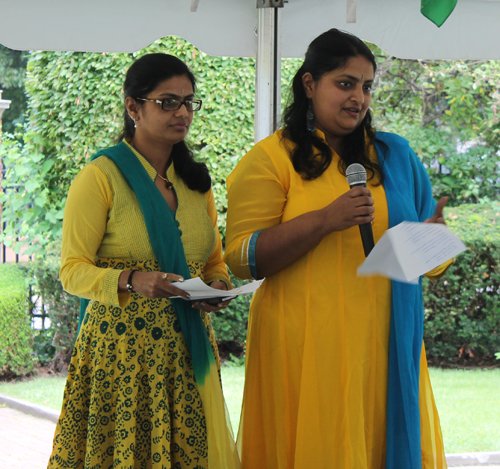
(228, 27)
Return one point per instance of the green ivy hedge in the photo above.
(16, 336)
(76, 108)
(462, 310)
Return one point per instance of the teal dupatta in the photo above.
(164, 236)
(409, 198)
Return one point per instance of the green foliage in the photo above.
(231, 323)
(76, 108)
(235, 361)
(462, 310)
(33, 204)
(15, 327)
(12, 74)
(448, 111)
(12, 67)
(42, 346)
(62, 308)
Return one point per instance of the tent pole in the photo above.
(268, 70)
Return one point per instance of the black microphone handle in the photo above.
(365, 230)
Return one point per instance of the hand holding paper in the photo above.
(410, 250)
(201, 291)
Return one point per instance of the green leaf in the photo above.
(31, 185)
(47, 166)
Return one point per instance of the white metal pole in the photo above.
(268, 73)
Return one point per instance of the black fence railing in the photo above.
(37, 310)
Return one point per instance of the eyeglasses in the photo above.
(173, 104)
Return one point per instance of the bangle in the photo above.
(130, 288)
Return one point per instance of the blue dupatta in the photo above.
(409, 198)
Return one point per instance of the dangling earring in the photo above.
(310, 119)
(133, 120)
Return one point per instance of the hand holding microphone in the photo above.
(352, 208)
(356, 177)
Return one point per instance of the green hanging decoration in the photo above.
(437, 11)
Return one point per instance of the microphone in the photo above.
(356, 177)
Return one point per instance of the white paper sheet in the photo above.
(200, 290)
(410, 250)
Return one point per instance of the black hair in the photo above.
(145, 74)
(311, 156)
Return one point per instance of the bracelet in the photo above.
(130, 288)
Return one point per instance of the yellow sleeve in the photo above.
(215, 268)
(84, 226)
(256, 199)
(440, 270)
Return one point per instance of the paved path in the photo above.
(26, 441)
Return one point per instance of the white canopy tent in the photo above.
(266, 29)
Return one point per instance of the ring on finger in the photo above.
(164, 276)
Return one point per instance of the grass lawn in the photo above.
(233, 378)
(46, 391)
(468, 402)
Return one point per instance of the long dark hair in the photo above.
(144, 76)
(311, 155)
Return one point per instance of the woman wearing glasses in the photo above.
(143, 389)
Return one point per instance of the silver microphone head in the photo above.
(355, 174)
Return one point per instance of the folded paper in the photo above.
(410, 250)
(200, 290)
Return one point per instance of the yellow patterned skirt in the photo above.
(131, 399)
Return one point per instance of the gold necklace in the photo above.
(168, 184)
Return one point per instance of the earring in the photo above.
(310, 119)
(135, 123)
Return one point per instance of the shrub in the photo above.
(42, 346)
(230, 324)
(62, 308)
(16, 337)
(462, 310)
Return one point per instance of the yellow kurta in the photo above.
(131, 400)
(103, 219)
(318, 339)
